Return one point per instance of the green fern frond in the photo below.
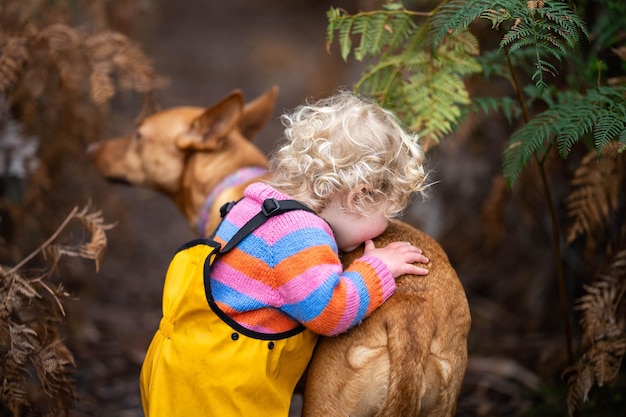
(372, 30)
(560, 18)
(421, 82)
(549, 28)
(332, 16)
(579, 122)
(377, 30)
(458, 48)
(601, 111)
(434, 101)
(529, 141)
(389, 73)
(507, 105)
(518, 38)
(453, 17)
(611, 124)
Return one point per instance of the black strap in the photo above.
(270, 208)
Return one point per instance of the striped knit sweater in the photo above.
(288, 272)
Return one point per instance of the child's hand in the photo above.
(399, 257)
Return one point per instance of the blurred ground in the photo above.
(208, 48)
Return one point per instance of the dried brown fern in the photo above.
(604, 332)
(64, 60)
(30, 313)
(61, 66)
(12, 60)
(596, 206)
(598, 184)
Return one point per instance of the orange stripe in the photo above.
(328, 319)
(299, 263)
(248, 265)
(372, 282)
(270, 319)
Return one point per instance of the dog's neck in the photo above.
(235, 179)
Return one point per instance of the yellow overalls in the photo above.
(197, 365)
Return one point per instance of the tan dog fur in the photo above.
(407, 359)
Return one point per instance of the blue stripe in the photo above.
(312, 306)
(364, 296)
(226, 230)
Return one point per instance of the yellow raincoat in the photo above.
(198, 365)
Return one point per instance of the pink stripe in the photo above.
(387, 282)
(300, 287)
(351, 308)
(241, 213)
(245, 284)
(259, 329)
(272, 234)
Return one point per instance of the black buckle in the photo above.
(226, 208)
(270, 206)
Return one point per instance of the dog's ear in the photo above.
(257, 113)
(208, 131)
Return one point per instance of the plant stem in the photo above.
(556, 234)
(46, 243)
(556, 242)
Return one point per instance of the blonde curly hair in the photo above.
(347, 142)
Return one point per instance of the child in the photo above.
(237, 343)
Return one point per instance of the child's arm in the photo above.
(317, 292)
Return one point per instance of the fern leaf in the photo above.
(597, 186)
(377, 30)
(604, 331)
(401, 29)
(507, 105)
(578, 122)
(423, 86)
(102, 85)
(434, 100)
(59, 38)
(564, 18)
(611, 124)
(518, 39)
(601, 110)
(550, 29)
(453, 17)
(528, 142)
(345, 36)
(333, 15)
(12, 61)
(123, 57)
(371, 30)
(379, 78)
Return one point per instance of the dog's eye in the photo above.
(137, 135)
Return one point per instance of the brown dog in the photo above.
(407, 359)
(200, 157)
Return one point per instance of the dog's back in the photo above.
(409, 357)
